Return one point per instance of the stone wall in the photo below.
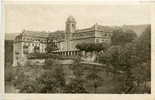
(36, 61)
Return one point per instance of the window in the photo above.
(73, 26)
(97, 40)
(17, 53)
(25, 49)
(36, 49)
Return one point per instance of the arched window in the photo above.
(25, 49)
(36, 49)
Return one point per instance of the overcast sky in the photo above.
(52, 17)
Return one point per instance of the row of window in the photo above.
(106, 34)
(34, 44)
(35, 40)
(101, 40)
(36, 49)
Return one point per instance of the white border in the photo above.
(79, 96)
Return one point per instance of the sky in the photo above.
(48, 17)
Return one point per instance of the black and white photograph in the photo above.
(73, 48)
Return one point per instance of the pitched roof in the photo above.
(58, 35)
(105, 28)
(35, 33)
(90, 32)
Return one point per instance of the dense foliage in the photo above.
(8, 52)
(129, 59)
(92, 46)
(121, 36)
(42, 55)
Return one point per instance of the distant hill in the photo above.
(138, 29)
(10, 36)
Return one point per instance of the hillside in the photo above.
(10, 36)
(138, 29)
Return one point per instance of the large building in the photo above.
(33, 41)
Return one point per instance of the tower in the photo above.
(70, 28)
(70, 25)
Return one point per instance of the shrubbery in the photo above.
(92, 46)
(43, 56)
(129, 56)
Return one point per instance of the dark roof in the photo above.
(58, 35)
(86, 32)
(35, 33)
(105, 28)
(71, 19)
(90, 32)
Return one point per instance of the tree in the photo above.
(130, 61)
(40, 79)
(9, 73)
(29, 87)
(144, 45)
(120, 59)
(94, 77)
(25, 78)
(77, 84)
(92, 46)
(52, 81)
(121, 37)
(142, 72)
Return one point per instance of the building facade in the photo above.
(29, 42)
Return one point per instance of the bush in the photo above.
(9, 74)
(121, 37)
(43, 56)
(92, 46)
